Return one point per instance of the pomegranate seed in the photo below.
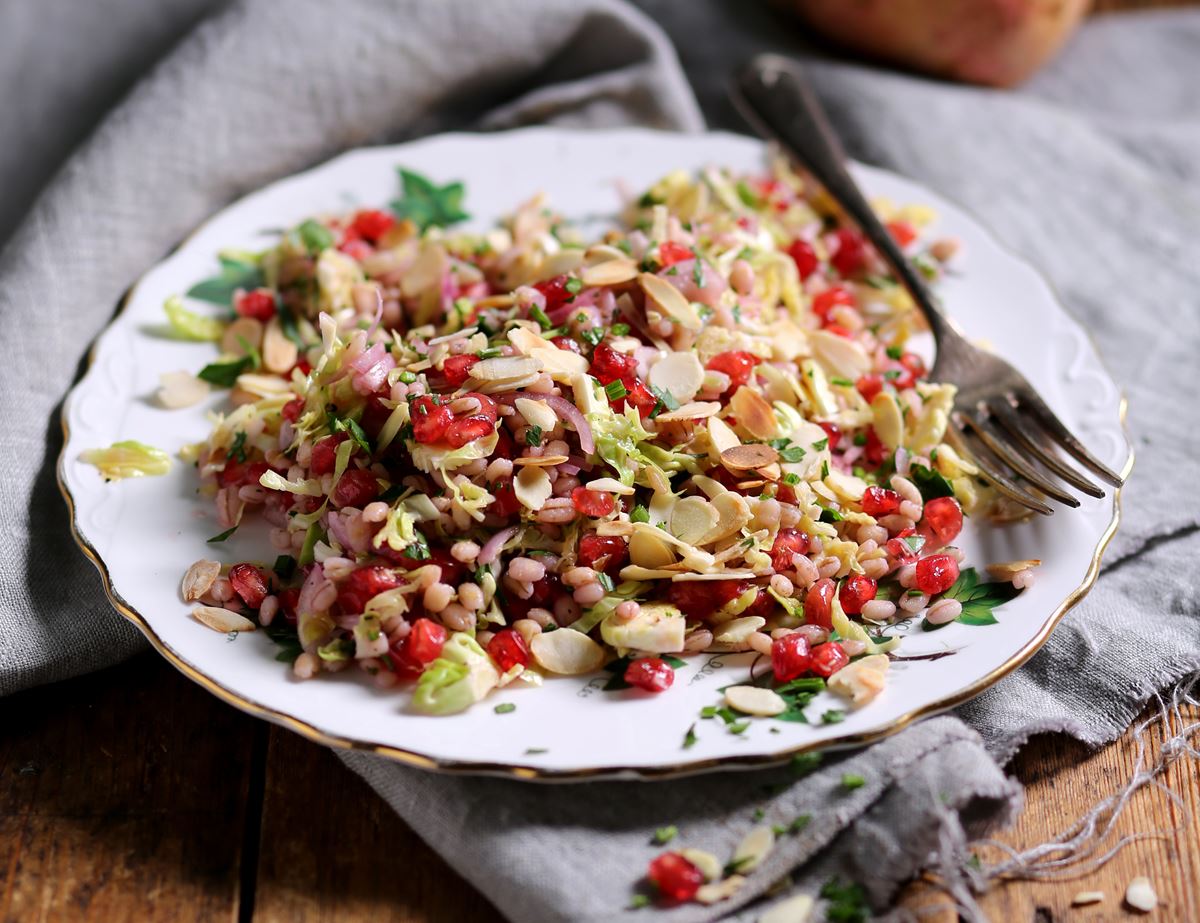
(592, 502)
(608, 366)
(902, 232)
(249, 583)
(914, 368)
(357, 250)
(506, 502)
(828, 658)
(237, 474)
(364, 584)
(289, 599)
(804, 256)
(850, 252)
(324, 454)
(856, 593)
(357, 487)
(650, 673)
(567, 343)
(874, 451)
(421, 647)
(936, 573)
(508, 649)
(676, 879)
(942, 520)
(790, 657)
(869, 385)
(670, 253)
(829, 299)
(259, 304)
(293, 409)
(788, 542)
(555, 292)
(902, 551)
(833, 432)
(373, 224)
(698, 600)
(462, 432)
(879, 501)
(606, 553)
(457, 369)
(738, 365)
(818, 603)
(642, 398)
(429, 419)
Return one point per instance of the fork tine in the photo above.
(998, 480)
(1008, 418)
(1018, 464)
(1064, 437)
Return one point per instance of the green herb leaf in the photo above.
(284, 635)
(639, 514)
(672, 661)
(234, 274)
(805, 763)
(979, 599)
(847, 903)
(222, 536)
(667, 398)
(225, 374)
(895, 352)
(833, 716)
(426, 204)
(828, 515)
(698, 271)
(533, 436)
(689, 739)
(638, 901)
(799, 823)
(619, 330)
(315, 236)
(504, 708)
(347, 425)
(237, 450)
(746, 194)
(929, 482)
(541, 317)
(284, 566)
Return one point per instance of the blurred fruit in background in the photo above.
(992, 42)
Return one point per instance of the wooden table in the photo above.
(132, 794)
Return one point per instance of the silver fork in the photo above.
(998, 419)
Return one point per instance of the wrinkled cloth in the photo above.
(1094, 180)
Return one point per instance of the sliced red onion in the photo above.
(371, 368)
(709, 293)
(312, 586)
(568, 468)
(338, 530)
(491, 549)
(572, 414)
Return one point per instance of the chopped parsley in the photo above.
(689, 739)
(235, 274)
(573, 285)
(237, 450)
(593, 336)
(833, 716)
(639, 514)
(505, 708)
(805, 763)
(315, 236)
(664, 835)
(533, 436)
(222, 536)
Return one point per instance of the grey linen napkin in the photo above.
(1096, 181)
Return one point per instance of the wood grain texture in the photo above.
(116, 804)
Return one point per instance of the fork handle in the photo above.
(773, 95)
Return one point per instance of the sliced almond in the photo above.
(1140, 895)
(723, 575)
(505, 368)
(649, 550)
(532, 487)
(567, 652)
(180, 389)
(748, 457)
(679, 374)
(610, 486)
(721, 436)
(758, 843)
(797, 909)
(708, 864)
(1087, 897)
(692, 518)
(889, 421)
(846, 486)
(540, 461)
(739, 630)
(734, 513)
(750, 485)
(637, 572)
(610, 272)
(279, 353)
(1009, 569)
(426, 271)
(496, 301)
(536, 413)
(693, 411)
(771, 472)
(862, 680)
(263, 385)
(242, 333)
(755, 700)
(719, 891)
(221, 620)
(199, 577)
(754, 414)
(670, 301)
(845, 358)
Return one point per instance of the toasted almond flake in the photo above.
(1009, 569)
(610, 486)
(708, 864)
(603, 253)
(862, 680)
(536, 413)
(758, 843)
(721, 436)
(845, 358)
(610, 272)
(889, 421)
(693, 411)
(532, 487)
(846, 486)
(279, 353)
(772, 472)
(692, 518)
(670, 301)
(505, 368)
(754, 414)
(637, 572)
(649, 550)
(426, 270)
(750, 485)
(1140, 895)
(263, 385)
(794, 910)
(734, 512)
(243, 329)
(678, 373)
(755, 700)
(748, 457)
(564, 261)
(199, 577)
(221, 620)
(723, 575)
(737, 631)
(456, 335)
(496, 301)
(514, 384)
(720, 890)
(180, 389)
(540, 461)
(567, 652)
(1087, 897)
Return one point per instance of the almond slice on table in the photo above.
(708, 864)
(1140, 895)
(719, 891)
(180, 389)
(221, 620)
(567, 652)
(755, 846)
(796, 909)
(755, 700)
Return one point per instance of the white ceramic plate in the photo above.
(144, 533)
